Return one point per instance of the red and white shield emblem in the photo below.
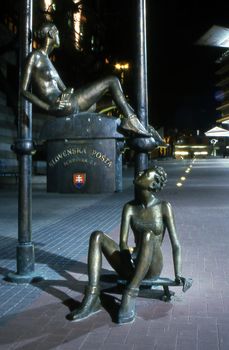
(79, 180)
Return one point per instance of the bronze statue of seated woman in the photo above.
(149, 218)
(50, 93)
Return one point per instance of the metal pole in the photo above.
(141, 159)
(24, 148)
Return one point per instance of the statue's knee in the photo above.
(112, 80)
(96, 236)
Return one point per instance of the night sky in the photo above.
(181, 74)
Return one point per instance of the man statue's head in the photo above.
(48, 30)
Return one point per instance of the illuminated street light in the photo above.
(122, 67)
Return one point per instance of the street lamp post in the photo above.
(24, 149)
(141, 159)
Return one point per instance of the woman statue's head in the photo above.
(153, 179)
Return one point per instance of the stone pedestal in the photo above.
(83, 154)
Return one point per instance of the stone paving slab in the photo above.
(34, 317)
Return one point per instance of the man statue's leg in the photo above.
(86, 97)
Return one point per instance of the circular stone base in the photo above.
(20, 279)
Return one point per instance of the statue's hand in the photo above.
(66, 104)
(69, 91)
(185, 282)
(64, 101)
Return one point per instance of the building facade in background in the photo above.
(81, 58)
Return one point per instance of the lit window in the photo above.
(77, 24)
(47, 4)
(48, 7)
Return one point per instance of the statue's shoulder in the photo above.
(34, 56)
(165, 203)
(129, 205)
(166, 207)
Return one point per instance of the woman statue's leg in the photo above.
(127, 308)
(99, 243)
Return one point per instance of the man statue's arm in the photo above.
(25, 84)
(35, 100)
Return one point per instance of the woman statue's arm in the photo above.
(176, 248)
(124, 230)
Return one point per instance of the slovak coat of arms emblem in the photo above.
(79, 180)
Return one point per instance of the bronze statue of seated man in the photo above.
(148, 217)
(50, 93)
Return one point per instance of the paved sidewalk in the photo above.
(34, 316)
